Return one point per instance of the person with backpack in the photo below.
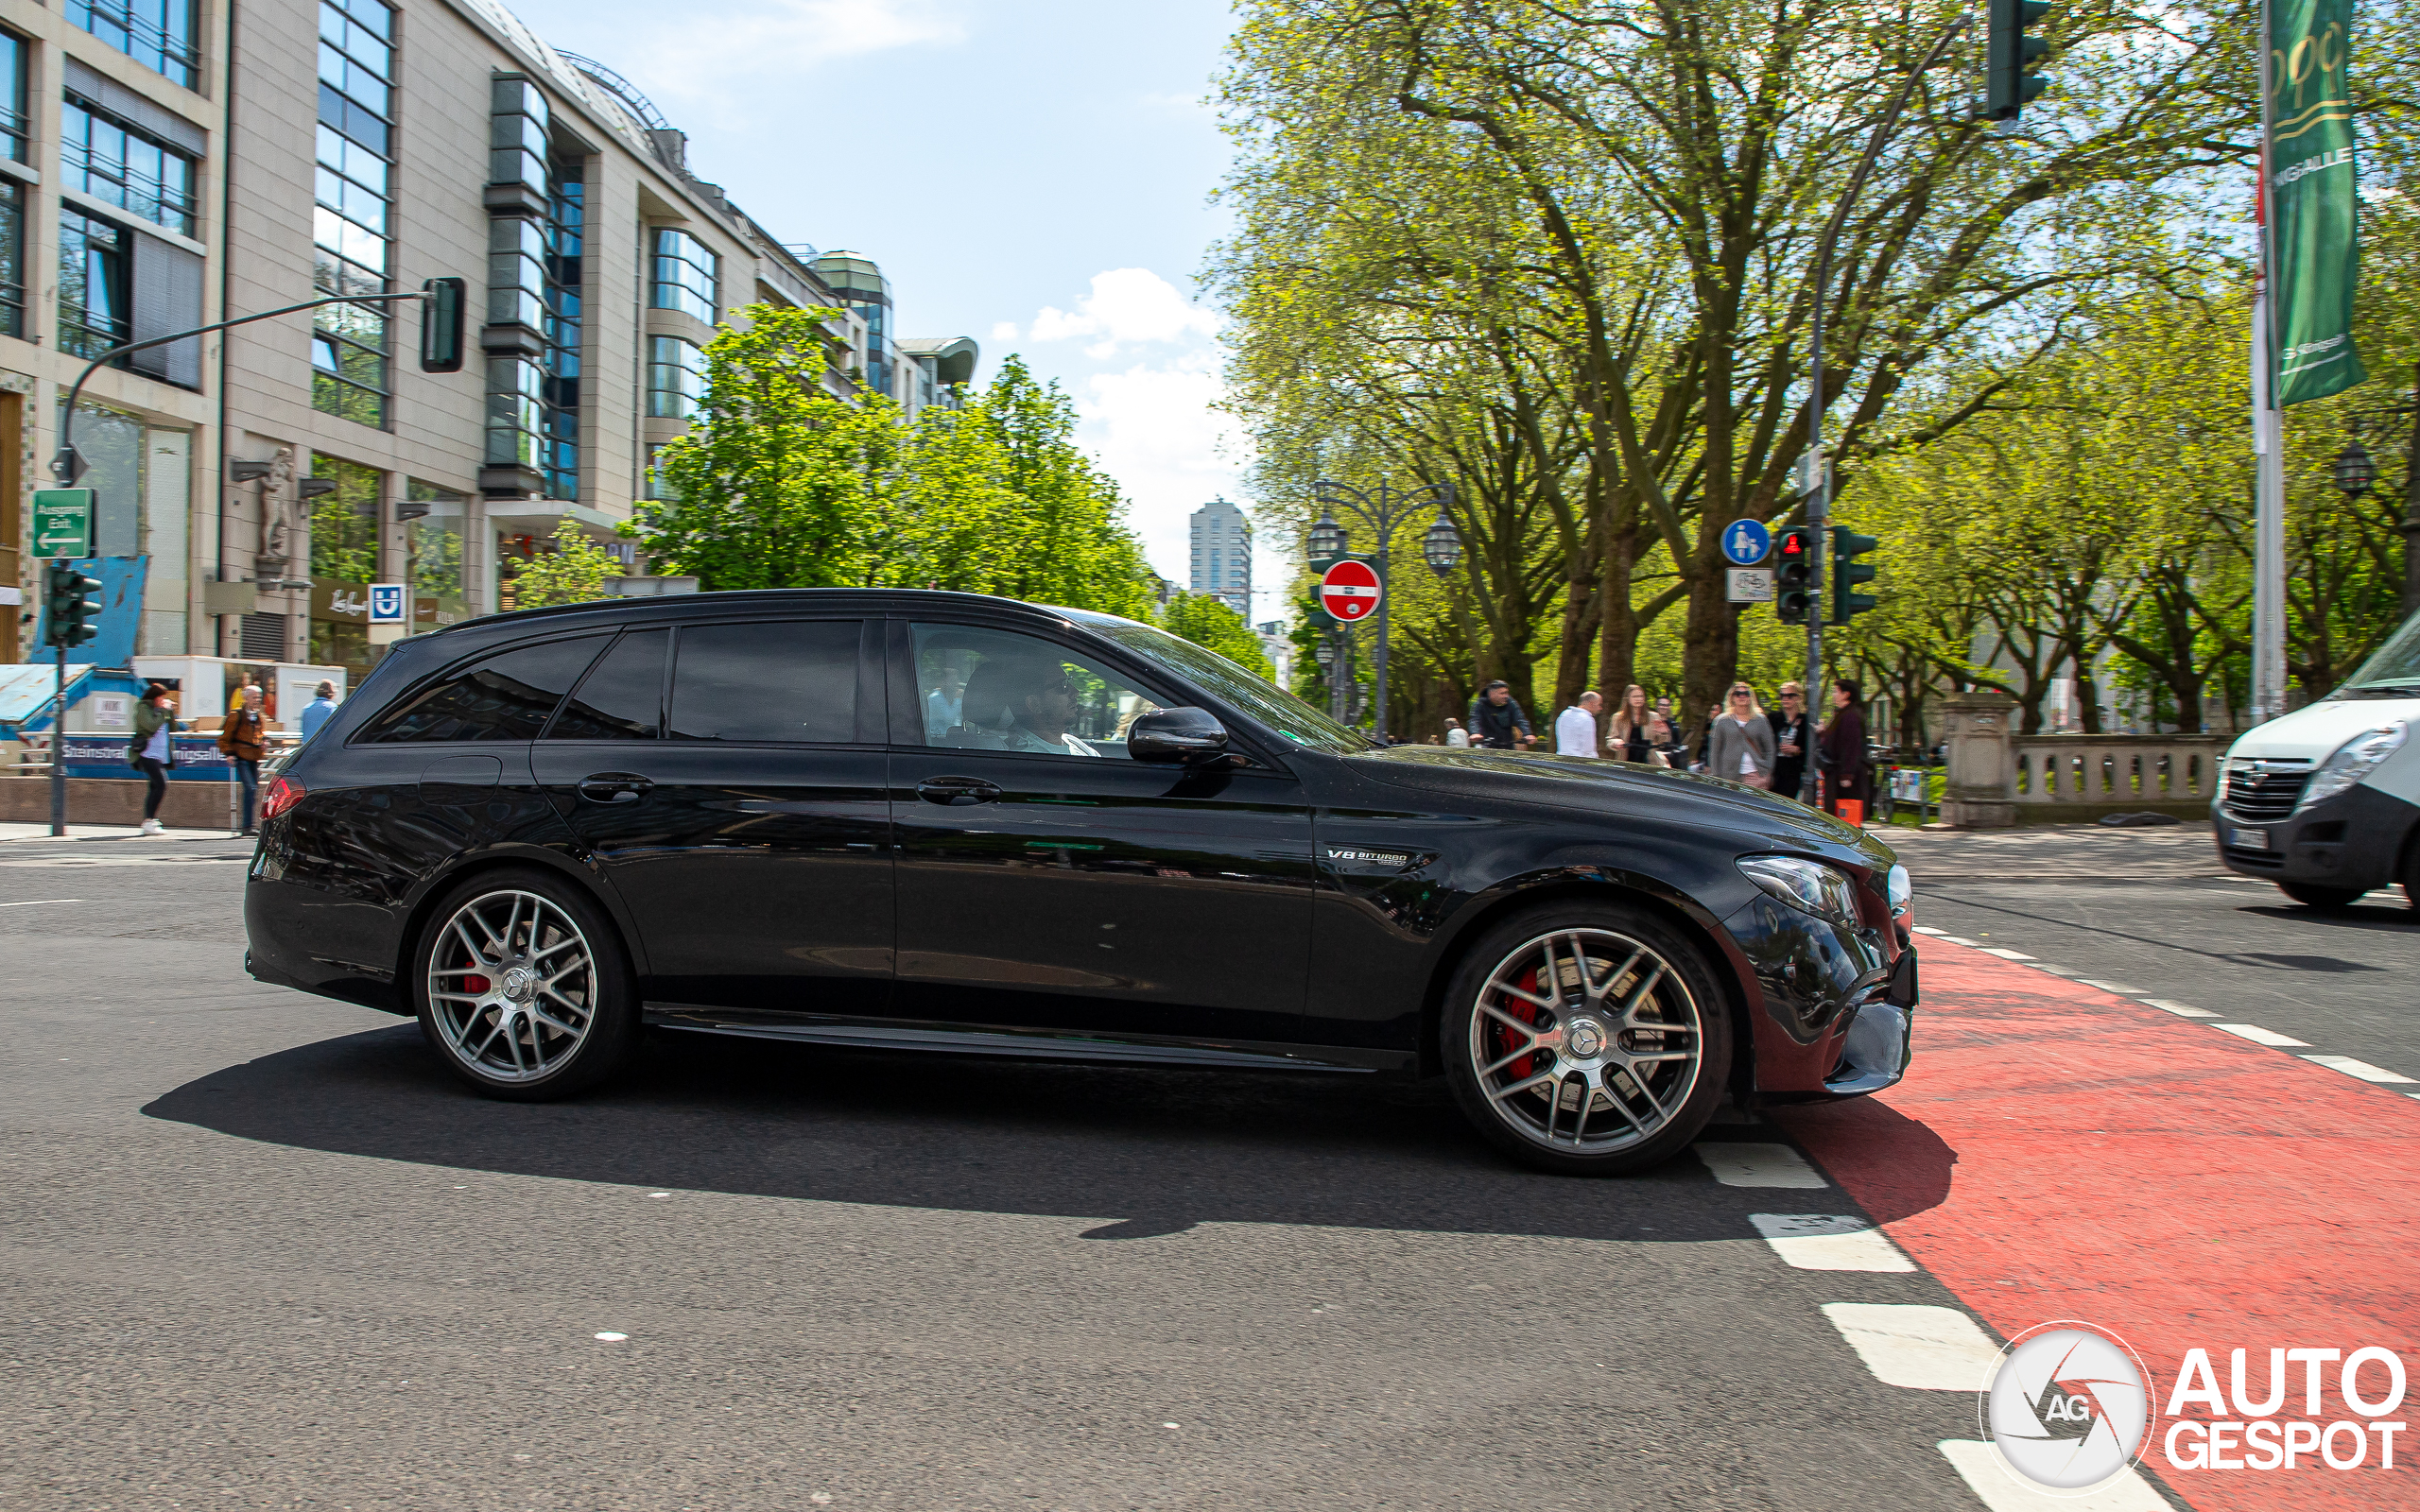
(243, 739)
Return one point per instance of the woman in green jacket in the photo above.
(151, 753)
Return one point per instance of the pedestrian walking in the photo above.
(1848, 771)
(1705, 734)
(1793, 736)
(242, 738)
(1637, 733)
(1497, 721)
(1740, 741)
(153, 752)
(1575, 729)
(1455, 735)
(315, 713)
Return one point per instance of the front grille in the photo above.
(2254, 860)
(2264, 798)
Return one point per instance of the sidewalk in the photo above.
(108, 831)
(2169, 853)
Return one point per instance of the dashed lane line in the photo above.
(41, 902)
(2363, 1070)
(2118, 987)
(1922, 1348)
(2261, 1037)
(1999, 1489)
(2182, 1011)
(2004, 954)
(1759, 1165)
(1823, 1241)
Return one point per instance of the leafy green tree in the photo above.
(1206, 620)
(572, 571)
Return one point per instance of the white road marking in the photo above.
(1924, 929)
(1816, 1241)
(2118, 987)
(2259, 1036)
(2182, 1011)
(41, 902)
(1958, 939)
(1997, 1486)
(2361, 1069)
(2006, 955)
(1758, 1165)
(1925, 1349)
(611, 1338)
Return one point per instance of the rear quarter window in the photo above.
(504, 697)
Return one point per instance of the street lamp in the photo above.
(2354, 471)
(1383, 509)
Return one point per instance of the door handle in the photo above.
(614, 787)
(957, 791)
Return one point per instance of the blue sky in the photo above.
(1035, 176)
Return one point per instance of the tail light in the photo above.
(283, 794)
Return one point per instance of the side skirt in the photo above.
(1044, 1044)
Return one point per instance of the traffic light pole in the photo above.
(59, 740)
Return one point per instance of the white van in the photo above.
(2325, 801)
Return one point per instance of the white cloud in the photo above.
(683, 57)
(1005, 330)
(1128, 306)
(1156, 430)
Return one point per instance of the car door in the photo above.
(1047, 880)
(727, 776)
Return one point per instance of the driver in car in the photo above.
(1026, 707)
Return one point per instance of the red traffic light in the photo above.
(1793, 544)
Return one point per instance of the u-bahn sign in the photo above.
(1350, 591)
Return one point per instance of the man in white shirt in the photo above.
(1575, 729)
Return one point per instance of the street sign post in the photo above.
(63, 523)
(1751, 585)
(1745, 542)
(1350, 591)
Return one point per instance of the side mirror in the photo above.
(1186, 735)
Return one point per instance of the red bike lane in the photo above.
(2058, 1152)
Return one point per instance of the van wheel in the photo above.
(524, 989)
(2327, 899)
(1586, 1039)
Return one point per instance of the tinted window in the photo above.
(622, 696)
(789, 680)
(992, 689)
(504, 697)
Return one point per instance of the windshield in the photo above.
(1214, 673)
(2392, 670)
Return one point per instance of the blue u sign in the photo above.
(1745, 542)
(387, 604)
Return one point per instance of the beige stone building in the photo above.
(270, 473)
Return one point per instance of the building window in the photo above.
(566, 231)
(675, 380)
(434, 538)
(12, 96)
(659, 486)
(686, 272)
(13, 259)
(344, 525)
(125, 166)
(159, 34)
(350, 224)
(92, 314)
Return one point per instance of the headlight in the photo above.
(1808, 885)
(1902, 894)
(2353, 761)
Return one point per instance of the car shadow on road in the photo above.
(1152, 1151)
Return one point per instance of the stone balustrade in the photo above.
(1998, 777)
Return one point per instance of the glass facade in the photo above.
(92, 294)
(566, 230)
(686, 275)
(120, 164)
(351, 226)
(519, 292)
(676, 378)
(344, 525)
(159, 34)
(434, 538)
(12, 96)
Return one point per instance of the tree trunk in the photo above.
(1616, 620)
(1710, 658)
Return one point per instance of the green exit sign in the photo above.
(63, 522)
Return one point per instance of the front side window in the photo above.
(351, 222)
(686, 272)
(676, 378)
(788, 682)
(120, 164)
(159, 34)
(993, 690)
(1206, 669)
(505, 698)
(92, 294)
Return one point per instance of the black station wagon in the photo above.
(942, 822)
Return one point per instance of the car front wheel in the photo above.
(1586, 1041)
(524, 988)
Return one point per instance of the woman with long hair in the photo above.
(1636, 730)
(1739, 745)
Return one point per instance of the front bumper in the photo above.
(2356, 840)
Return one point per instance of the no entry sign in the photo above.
(1350, 591)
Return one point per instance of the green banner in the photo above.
(2314, 214)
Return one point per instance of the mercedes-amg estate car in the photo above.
(942, 822)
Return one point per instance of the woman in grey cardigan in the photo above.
(1741, 747)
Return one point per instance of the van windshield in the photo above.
(2392, 670)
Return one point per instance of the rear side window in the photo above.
(622, 696)
(787, 680)
(506, 697)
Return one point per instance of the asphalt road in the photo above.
(2154, 910)
(259, 1250)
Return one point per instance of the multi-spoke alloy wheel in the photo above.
(1593, 1046)
(524, 994)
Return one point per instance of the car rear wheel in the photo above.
(2327, 899)
(1586, 1041)
(524, 988)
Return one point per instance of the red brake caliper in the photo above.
(1527, 1013)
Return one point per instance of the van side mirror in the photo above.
(1177, 735)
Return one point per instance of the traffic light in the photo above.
(1794, 582)
(440, 326)
(1847, 572)
(2011, 52)
(74, 605)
